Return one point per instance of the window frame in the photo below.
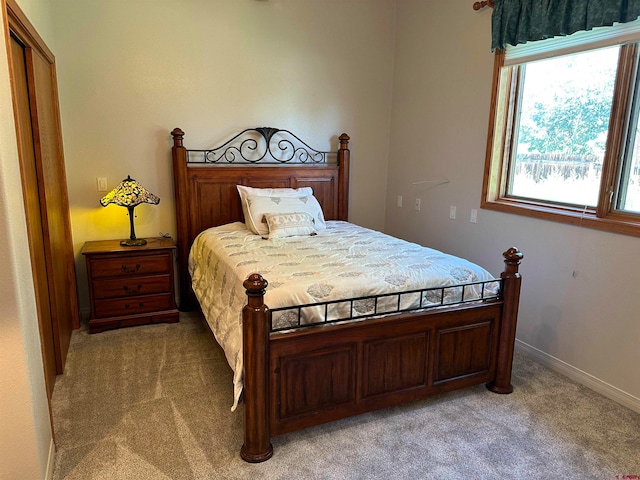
(505, 91)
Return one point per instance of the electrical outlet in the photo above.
(474, 216)
(452, 212)
(417, 206)
(399, 201)
(102, 184)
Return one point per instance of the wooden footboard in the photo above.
(299, 379)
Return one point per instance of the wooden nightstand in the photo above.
(130, 285)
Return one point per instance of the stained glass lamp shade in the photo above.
(130, 194)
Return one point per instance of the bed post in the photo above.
(511, 294)
(180, 183)
(255, 345)
(344, 156)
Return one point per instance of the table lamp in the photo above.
(130, 194)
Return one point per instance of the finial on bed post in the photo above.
(344, 141)
(512, 258)
(511, 281)
(178, 135)
(255, 346)
(344, 155)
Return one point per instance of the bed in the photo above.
(348, 348)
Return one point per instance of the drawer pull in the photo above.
(131, 270)
(141, 304)
(137, 290)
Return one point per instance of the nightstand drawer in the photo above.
(127, 287)
(130, 265)
(133, 305)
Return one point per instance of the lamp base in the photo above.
(133, 242)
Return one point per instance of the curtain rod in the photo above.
(482, 4)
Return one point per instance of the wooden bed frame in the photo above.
(315, 375)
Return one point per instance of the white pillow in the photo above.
(289, 224)
(258, 206)
(244, 192)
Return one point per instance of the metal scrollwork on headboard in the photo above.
(263, 145)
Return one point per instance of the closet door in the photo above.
(45, 189)
(31, 194)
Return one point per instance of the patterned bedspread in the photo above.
(343, 261)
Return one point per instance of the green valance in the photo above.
(521, 21)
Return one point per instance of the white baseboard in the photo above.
(579, 376)
(51, 461)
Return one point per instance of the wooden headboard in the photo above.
(205, 182)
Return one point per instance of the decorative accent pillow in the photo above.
(289, 224)
(258, 206)
(245, 191)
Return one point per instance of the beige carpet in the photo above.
(153, 402)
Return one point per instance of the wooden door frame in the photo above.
(60, 280)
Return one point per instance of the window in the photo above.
(563, 140)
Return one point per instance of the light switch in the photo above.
(102, 184)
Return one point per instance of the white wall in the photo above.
(130, 71)
(25, 432)
(585, 325)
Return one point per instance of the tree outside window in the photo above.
(562, 139)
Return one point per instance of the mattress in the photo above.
(342, 261)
